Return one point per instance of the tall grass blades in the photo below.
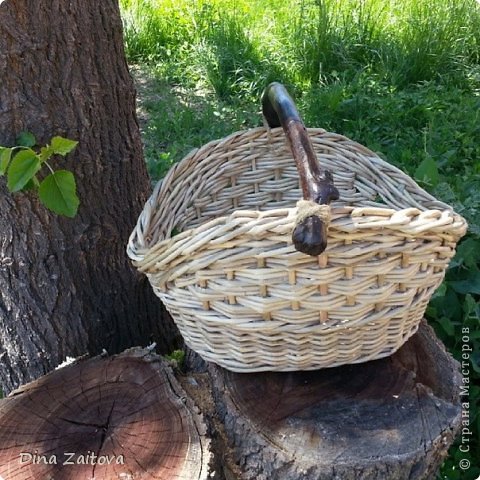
(237, 44)
(436, 39)
(156, 30)
(232, 62)
(331, 37)
(406, 41)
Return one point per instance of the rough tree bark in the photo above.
(66, 285)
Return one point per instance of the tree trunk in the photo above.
(66, 285)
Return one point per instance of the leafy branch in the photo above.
(22, 163)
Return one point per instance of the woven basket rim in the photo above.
(140, 245)
(440, 222)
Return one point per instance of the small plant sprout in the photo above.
(22, 163)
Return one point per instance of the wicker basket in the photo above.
(214, 240)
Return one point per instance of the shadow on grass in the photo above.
(233, 61)
(174, 120)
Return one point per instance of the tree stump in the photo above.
(392, 418)
(121, 417)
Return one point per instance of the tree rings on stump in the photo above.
(121, 417)
(392, 418)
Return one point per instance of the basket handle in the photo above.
(310, 233)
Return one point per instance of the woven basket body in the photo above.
(214, 240)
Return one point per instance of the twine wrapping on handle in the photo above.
(308, 208)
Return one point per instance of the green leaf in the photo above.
(32, 184)
(62, 146)
(468, 252)
(26, 139)
(471, 307)
(447, 325)
(177, 357)
(58, 193)
(427, 171)
(5, 154)
(475, 361)
(448, 306)
(475, 335)
(46, 153)
(24, 166)
(469, 285)
(440, 291)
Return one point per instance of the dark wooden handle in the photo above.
(310, 235)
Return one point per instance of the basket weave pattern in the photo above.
(244, 298)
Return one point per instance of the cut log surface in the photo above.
(389, 419)
(121, 417)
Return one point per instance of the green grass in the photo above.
(401, 77)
